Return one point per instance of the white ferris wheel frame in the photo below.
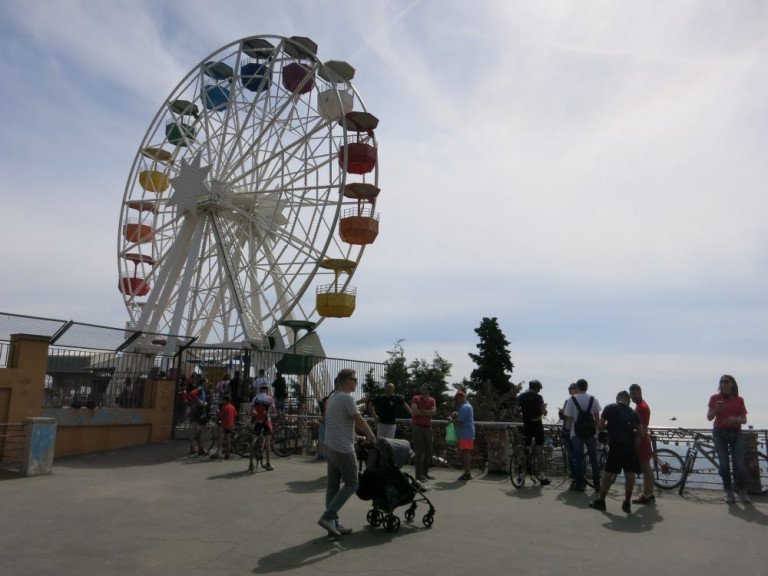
(235, 258)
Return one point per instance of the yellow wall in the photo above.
(80, 430)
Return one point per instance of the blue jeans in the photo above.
(729, 445)
(578, 460)
(342, 466)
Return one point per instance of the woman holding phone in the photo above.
(727, 409)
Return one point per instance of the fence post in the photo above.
(39, 445)
(751, 462)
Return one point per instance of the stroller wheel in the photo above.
(409, 514)
(428, 519)
(374, 518)
(391, 523)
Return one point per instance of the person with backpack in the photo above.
(625, 434)
(262, 411)
(582, 414)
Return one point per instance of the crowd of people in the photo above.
(198, 400)
(342, 424)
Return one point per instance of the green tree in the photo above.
(409, 377)
(371, 388)
(435, 374)
(395, 370)
(494, 364)
(491, 381)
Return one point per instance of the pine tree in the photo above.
(491, 380)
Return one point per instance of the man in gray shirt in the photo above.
(341, 418)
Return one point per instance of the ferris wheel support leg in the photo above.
(182, 254)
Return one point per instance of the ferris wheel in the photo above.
(251, 198)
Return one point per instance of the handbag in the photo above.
(450, 434)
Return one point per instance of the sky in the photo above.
(591, 174)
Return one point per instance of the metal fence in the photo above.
(99, 366)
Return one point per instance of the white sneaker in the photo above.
(330, 526)
(744, 497)
(342, 530)
(729, 499)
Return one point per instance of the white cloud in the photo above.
(591, 174)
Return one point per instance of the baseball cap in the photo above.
(535, 384)
(460, 393)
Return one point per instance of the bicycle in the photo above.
(524, 462)
(242, 436)
(257, 449)
(667, 467)
(756, 463)
(285, 438)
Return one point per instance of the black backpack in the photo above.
(584, 423)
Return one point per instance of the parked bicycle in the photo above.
(756, 463)
(524, 462)
(285, 437)
(667, 466)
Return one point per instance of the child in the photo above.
(227, 416)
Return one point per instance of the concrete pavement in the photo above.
(154, 510)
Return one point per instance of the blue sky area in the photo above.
(592, 174)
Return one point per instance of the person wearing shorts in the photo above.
(625, 433)
(464, 421)
(645, 451)
(227, 415)
(533, 409)
(262, 410)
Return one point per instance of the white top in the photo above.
(583, 399)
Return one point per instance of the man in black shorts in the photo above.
(625, 433)
(533, 410)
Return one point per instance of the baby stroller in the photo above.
(388, 487)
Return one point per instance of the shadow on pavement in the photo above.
(320, 549)
(525, 492)
(307, 486)
(641, 519)
(748, 513)
(148, 455)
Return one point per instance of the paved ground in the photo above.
(153, 510)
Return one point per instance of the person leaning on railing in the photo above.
(728, 411)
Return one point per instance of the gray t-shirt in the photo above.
(340, 422)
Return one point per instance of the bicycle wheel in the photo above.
(284, 442)
(667, 468)
(687, 467)
(757, 472)
(211, 436)
(241, 443)
(517, 466)
(256, 453)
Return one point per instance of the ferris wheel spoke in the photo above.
(230, 253)
(268, 118)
